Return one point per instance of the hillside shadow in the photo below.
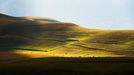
(17, 34)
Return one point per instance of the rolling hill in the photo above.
(33, 37)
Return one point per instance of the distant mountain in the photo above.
(43, 37)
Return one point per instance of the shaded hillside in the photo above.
(50, 38)
(5, 19)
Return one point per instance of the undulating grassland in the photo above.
(45, 45)
(32, 38)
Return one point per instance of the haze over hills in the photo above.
(42, 37)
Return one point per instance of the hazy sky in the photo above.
(106, 14)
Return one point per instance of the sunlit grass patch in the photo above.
(67, 52)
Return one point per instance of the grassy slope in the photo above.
(58, 39)
(21, 38)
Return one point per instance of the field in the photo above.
(31, 44)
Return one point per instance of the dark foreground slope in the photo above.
(70, 66)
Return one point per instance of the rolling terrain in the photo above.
(46, 46)
(42, 37)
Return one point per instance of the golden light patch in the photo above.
(62, 53)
